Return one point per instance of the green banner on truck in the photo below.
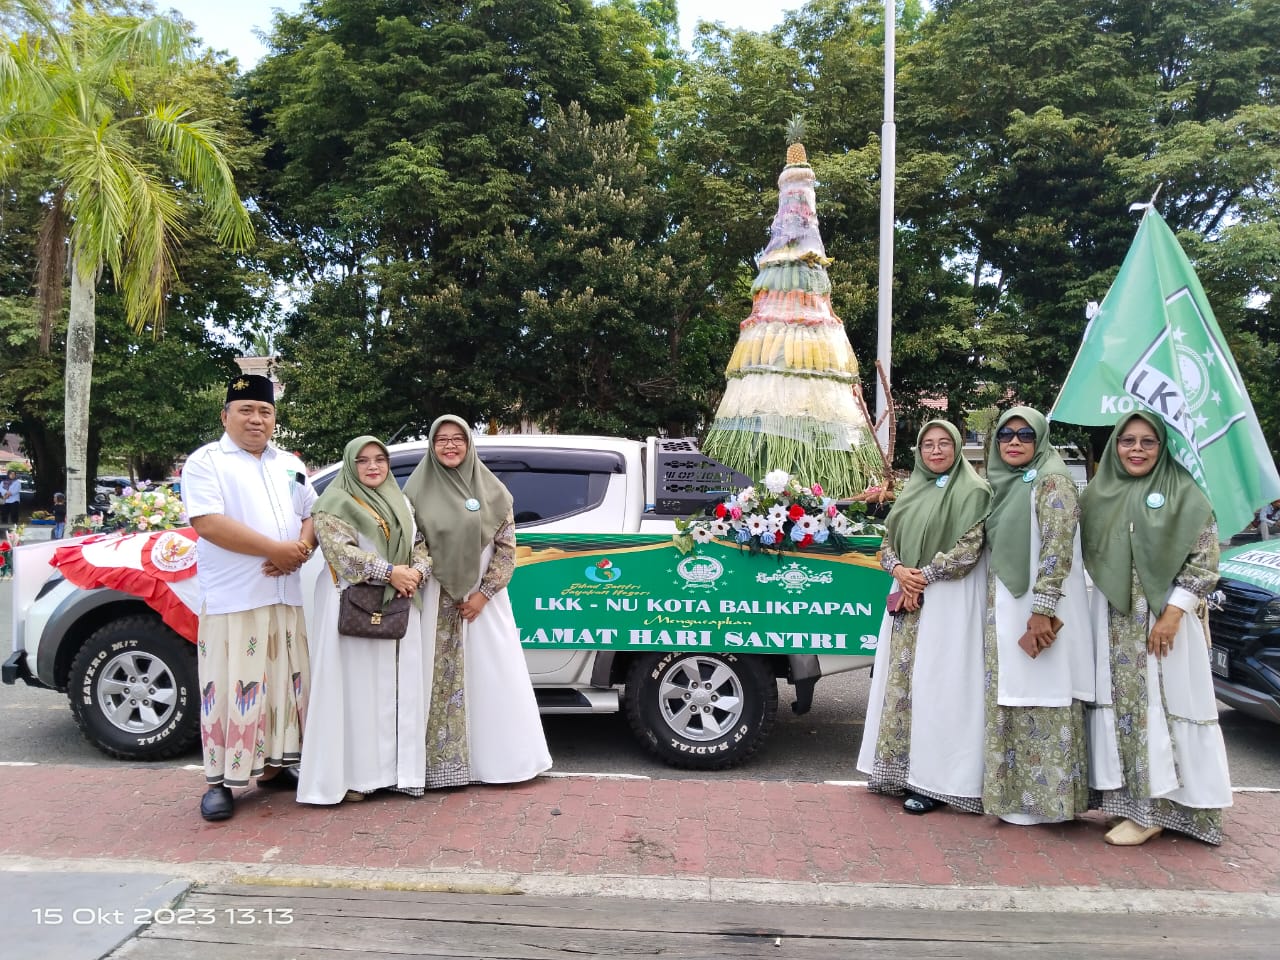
(638, 592)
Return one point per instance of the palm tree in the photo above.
(69, 104)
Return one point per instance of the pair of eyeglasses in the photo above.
(451, 441)
(1025, 434)
(937, 445)
(1146, 443)
(366, 461)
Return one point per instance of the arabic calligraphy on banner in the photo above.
(638, 592)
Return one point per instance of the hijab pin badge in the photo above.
(472, 504)
(942, 481)
(1155, 500)
(1029, 475)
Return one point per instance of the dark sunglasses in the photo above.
(1025, 434)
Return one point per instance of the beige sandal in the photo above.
(353, 796)
(1130, 834)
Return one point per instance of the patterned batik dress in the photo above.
(1036, 756)
(253, 704)
(483, 726)
(1157, 750)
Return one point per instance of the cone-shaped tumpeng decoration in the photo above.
(789, 403)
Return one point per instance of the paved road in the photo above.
(768, 860)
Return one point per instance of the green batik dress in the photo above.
(1036, 756)
(1157, 751)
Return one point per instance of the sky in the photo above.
(230, 24)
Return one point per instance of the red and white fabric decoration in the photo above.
(158, 567)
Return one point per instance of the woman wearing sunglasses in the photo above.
(1151, 546)
(923, 735)
(1038, 642)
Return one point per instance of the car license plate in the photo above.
(1219, 661)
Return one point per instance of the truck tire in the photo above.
(701, 711)
(133, 690)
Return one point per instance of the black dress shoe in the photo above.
(918, 803)
(285, 779)
(217, 804)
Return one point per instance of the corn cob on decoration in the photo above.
(789, 401)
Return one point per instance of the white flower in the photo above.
(702, 533)
(840, 524)
(719, 528)
(777, 514)
(776, 481)
(808, 524)
(158, 500)
(747, 498)
(756, 524)
(157, 519)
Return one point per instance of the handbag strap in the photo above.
(382, 524)
(386, 529)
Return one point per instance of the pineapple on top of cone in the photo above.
(789, 403)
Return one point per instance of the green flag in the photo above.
(1154, 345)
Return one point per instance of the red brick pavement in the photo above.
(581, 826)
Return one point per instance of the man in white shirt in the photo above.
(10, 498)
(251, 505)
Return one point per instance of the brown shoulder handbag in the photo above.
(361, 613)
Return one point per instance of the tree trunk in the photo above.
(79, 379)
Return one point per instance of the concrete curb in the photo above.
(1074, 900)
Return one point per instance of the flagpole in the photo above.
(884, 309)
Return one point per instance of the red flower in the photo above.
(4, 546)
(721, 510)
(805, 540)
(796, 511)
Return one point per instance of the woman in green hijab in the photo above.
(1038, 645)
(1151, 546)
(366, 720)
(924, 733)
(483, 726)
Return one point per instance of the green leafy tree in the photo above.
(402, 138)
(605, 293)
(1058, 116)
(117, 168)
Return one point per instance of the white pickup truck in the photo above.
(612, 615)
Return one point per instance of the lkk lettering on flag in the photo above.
(1154, 345)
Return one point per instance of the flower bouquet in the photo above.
(85, 524)
(779, 513)
(6, 560)
(147, 508)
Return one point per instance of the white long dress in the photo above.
(504, 741)
(367, 717)
(924, 728)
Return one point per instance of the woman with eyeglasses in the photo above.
(483, 725)
(1151, 546)
(1038, 646)
(924, 733)
(366, 718)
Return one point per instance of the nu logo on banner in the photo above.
(1189, 399)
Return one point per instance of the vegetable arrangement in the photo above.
(792, 394)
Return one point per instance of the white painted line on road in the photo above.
(18, 763)
(554, 774)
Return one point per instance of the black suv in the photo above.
(1244, 621)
